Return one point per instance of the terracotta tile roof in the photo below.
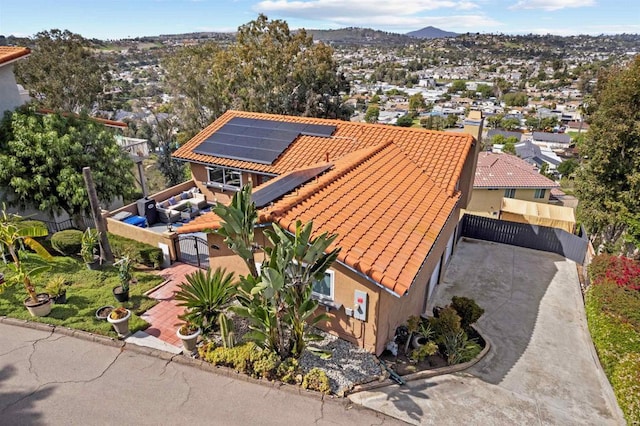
(508, 171)
(386, 211)
(8, 53)
(440, 155)
(201, 223)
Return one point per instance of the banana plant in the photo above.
(13, 238)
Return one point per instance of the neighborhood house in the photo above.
(393, 195)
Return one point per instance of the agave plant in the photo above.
(13, 238)
(204, 295)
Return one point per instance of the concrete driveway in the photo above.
(541, 369)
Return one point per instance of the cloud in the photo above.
(389, 15)
(551, 5)
(333, 9)
(586, 29)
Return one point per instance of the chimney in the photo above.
(473, 126)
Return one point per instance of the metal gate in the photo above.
(525, 235)
(193, 250)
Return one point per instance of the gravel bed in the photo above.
(348, 365)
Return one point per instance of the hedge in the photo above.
(626, 385)
(67, 242)
(613, 315)
(139, 252)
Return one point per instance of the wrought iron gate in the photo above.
(193, 250)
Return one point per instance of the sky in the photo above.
(116, 19)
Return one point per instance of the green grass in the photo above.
(88, 291)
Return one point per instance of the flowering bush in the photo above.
(623, 271)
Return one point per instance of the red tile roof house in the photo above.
(499, 176)
(393, 195)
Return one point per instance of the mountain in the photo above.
(359, 36)
(431, 32)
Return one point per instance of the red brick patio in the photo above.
(164, 316)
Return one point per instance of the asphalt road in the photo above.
(53, 379)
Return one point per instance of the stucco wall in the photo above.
(385, 311)
(394, 310)
(487, 201)
(9, 93)
(143, 235)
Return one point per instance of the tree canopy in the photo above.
(61, 72)
(42, 156)
(608, 184)
(267, 69)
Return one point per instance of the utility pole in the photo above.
(105, 248)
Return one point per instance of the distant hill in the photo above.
(431, 32)
(359, 36)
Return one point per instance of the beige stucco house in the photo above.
(393, 196)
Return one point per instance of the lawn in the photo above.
(87, 291)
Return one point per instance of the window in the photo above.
(224, 178)
(510, 193)
(321, 290)
(540, 193)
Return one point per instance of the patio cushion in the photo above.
(172, 201)
(185, 195)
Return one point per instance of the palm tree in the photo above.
(13, 238)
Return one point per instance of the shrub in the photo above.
(289, 371)
(316, 380)
(247, 358)
(468, 310)
(626, 385)
(623, 271)
(142, 253)
(67, 242)
(618, 301)
(428, 349)
(447, 322)
(612, 336)
(458, 348)
(266, 364)
(204, 295)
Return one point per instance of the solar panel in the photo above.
(285, 184)
(257, 140)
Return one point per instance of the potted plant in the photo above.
(13, 237)
(90, 242)
(119, 319)
(423, 335)
(57, 290)
(121, 292)
(103, 312)
(188, 333)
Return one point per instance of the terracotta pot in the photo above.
(189, 341)
(121, 326)
(40, 309)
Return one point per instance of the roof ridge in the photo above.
(342, 166)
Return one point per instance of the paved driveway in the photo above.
(541, 369)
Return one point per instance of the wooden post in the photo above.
(105, 248)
